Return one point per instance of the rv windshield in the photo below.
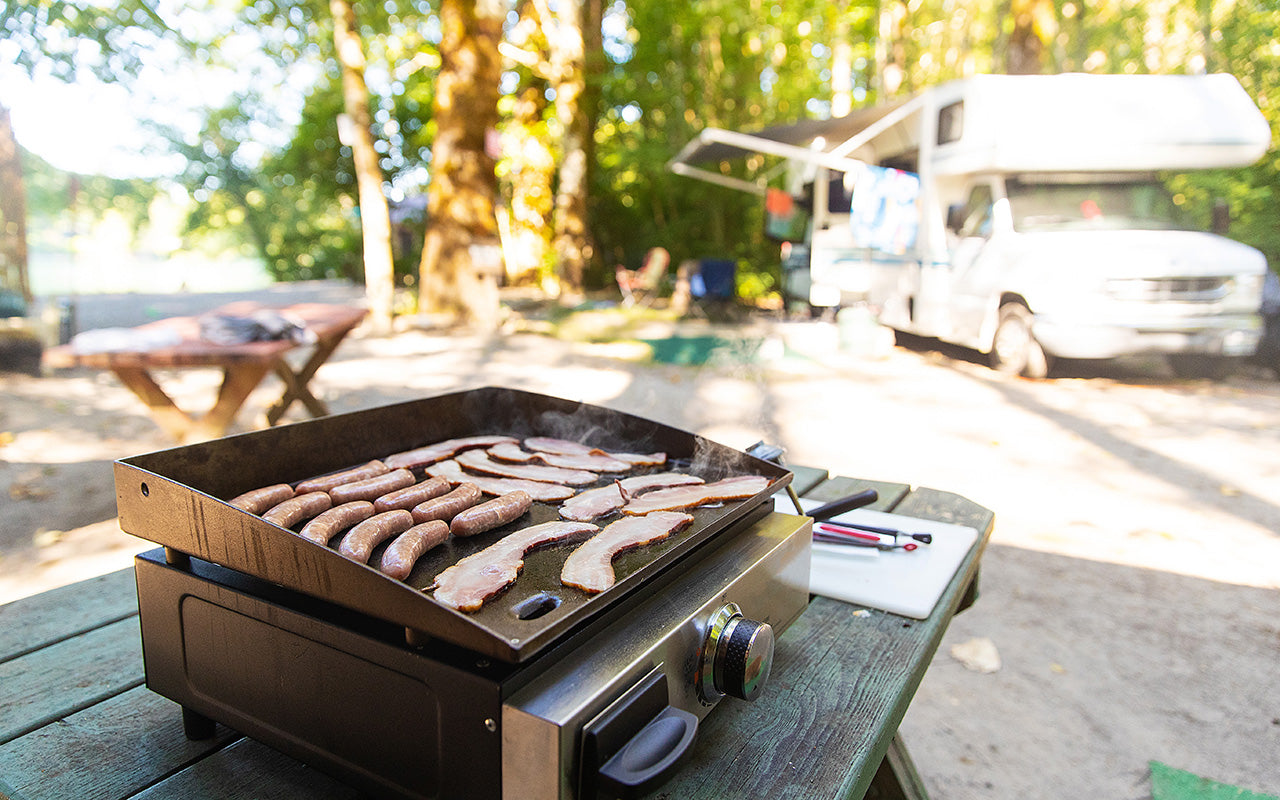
(1141, 205)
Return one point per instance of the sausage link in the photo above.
(259, 500)
(372, 488)
(448, 506)
(411, 496)
(360, 540)
(490, 515)
(400, 556)
(298, 508)
(337, 519)
(326, 482)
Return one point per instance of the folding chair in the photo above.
(642, 285)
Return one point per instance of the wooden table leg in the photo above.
(238, 381)
(897, 779)
(296, 382)
(173, 420)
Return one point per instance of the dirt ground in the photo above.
(1130, 589)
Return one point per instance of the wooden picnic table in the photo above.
(243, 365)
(79, 722)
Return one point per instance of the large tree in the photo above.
(461, 259)
(375, 218)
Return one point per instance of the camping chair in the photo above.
(642, 285)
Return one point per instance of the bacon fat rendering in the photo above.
(473, 580)
(590, 567)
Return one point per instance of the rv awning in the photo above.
(798, 141)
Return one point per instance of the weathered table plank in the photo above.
(56, 681)
(138, 733)
(251, 770)
(77, 723)
(31, 623)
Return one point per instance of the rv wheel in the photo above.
(1014, 350)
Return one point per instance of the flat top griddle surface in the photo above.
(177, 498)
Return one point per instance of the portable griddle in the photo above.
(542, 693)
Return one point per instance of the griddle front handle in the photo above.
(651, 756)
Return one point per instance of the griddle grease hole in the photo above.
(536, 606)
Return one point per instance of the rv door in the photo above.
(959, 294)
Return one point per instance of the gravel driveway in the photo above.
(1130, 589)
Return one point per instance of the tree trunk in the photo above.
(578, 26)
(461, 260)
(13, 212)
(375, 219)
(1032, 20)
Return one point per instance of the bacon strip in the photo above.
(473, 580)
(590, 567)
(439, 451)
(593, 503)
(544, 444)
(596, 462)
(479, 461)
(545, 492)
(736, 488)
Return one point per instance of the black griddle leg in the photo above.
(196, 725)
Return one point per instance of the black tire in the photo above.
(1014, 350)
(1199, 365)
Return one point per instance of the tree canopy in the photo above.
(271, 165)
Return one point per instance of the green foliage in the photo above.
(720, 63)
(297, 205)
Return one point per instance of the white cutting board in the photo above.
(902, 582)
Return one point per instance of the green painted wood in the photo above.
(34, 622)
(840, 686)
(111, 749)
(56, 681)
(840, 486)
(806, 478)
(941, 506)
(249, 769)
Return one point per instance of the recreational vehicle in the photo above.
(1022, 216)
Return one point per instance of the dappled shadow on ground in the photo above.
(1105, 667)
(1151, 370)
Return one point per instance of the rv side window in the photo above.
(977, 212)
(951, 122)
(839, 196)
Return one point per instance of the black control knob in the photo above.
(738, 656)
(745, 658)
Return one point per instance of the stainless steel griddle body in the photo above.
(370, 679)
(348, 695)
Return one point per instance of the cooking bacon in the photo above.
(479, 461)
(546, 492)
(597, 462)
(473, 580)
(439, 451)
(545, 444)
(593, 503)
(590, 567)
(736, 488)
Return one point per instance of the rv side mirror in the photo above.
(955, 217)
(1221, 216)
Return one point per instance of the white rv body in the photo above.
(1063, 215)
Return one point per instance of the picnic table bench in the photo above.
(79, 722)
(243, 365)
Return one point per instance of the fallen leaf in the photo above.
(978, 655)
